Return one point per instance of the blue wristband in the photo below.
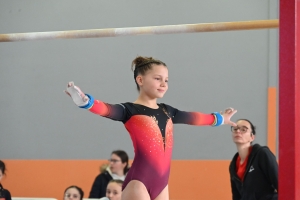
(219, 119)
(90, 103)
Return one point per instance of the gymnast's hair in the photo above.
(140, 65)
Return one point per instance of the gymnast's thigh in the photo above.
(164, 195)
(135, 190)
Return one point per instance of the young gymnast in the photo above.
(150, 125)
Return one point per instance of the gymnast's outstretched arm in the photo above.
(112, 111)
(198, 118)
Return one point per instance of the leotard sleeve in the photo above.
(193, 118)
(112, 111)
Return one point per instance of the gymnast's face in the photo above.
(242, 133)
(114, 191)
(154, 83)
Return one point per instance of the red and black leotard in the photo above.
(151, 132)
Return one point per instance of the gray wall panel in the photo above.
(208, 72)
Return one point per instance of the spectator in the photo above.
(253, 169)
(4, 194)
(117, 169)
(73, 193)
(114, 190)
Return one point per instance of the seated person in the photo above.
(73, 193)
(253, 169)
(114, 190)
(117, 169)
(4, 194)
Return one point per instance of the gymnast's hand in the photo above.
(228, 113)
(79, 98)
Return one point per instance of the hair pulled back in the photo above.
(140, 65)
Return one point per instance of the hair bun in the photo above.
(140, 60)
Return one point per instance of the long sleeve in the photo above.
(191, 118)
(95, 191)
(7, 195)
(269, 165)
(235, 193)
(112, 111)
(99, 186)
(234, 190)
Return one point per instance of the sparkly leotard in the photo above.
(151, 132)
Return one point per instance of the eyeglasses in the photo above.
(75, 196)
(242, 129)
(114, 160)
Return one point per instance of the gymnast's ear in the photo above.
(139, 80)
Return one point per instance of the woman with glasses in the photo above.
(253, 169)
(116, 170)
(73, 193)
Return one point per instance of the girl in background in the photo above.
(114, 190)
(73, 193)
(4, 194)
